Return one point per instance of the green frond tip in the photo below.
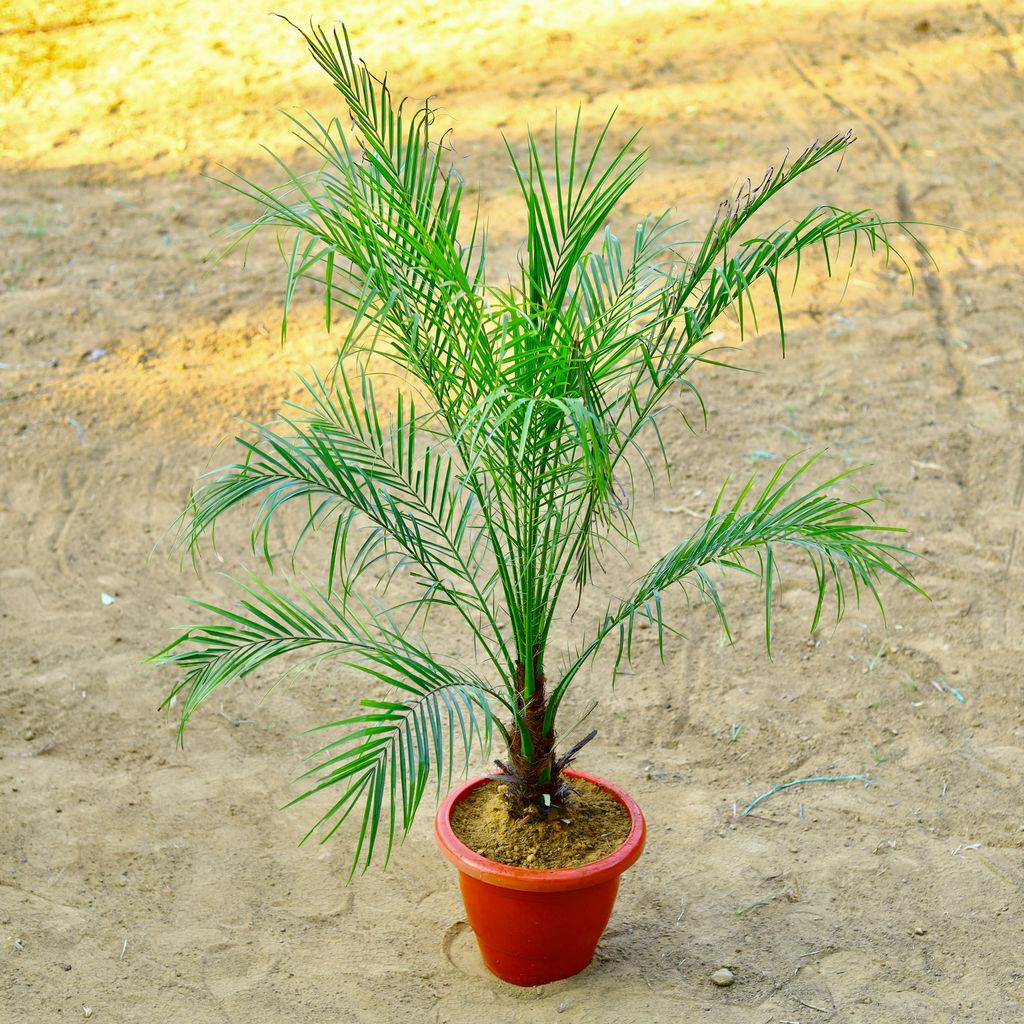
(844, 545)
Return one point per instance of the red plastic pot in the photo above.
(537, 925)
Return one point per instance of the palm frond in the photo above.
(838, 537)
(268, 625)
(345, 465)
(567, 205)
(385, 758)
(399, 742)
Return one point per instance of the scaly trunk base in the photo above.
(534, 786)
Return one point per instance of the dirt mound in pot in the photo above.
(593, 825)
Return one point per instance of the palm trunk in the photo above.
(533, 782)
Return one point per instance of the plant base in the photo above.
(538, 926)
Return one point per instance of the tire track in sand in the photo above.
(936, 287)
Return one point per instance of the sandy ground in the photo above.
(140, 883)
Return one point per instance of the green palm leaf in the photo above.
(844, 550)
(398, 743)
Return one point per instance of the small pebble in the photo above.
(29, 734)
(723, 977)
(920, 931)
(86, 1012)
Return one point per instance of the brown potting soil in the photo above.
(593, 825)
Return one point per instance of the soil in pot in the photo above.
(591, 826)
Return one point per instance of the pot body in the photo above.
(537, 926)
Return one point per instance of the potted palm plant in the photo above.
(486, 494)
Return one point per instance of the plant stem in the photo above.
(532, 783)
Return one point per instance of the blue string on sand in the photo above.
(866, 779)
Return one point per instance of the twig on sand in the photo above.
(866, 779)
(234, 721)
(48, 745)
(78, 429)
(681, 508)
(811, 1006)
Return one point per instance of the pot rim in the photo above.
(507, 876)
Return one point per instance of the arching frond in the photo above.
(845, 547)
(388, 752)
(392, 494)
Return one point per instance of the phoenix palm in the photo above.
(507, 464)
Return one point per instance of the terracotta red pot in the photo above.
(538, 925)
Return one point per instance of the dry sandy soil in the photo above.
(141, 883)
